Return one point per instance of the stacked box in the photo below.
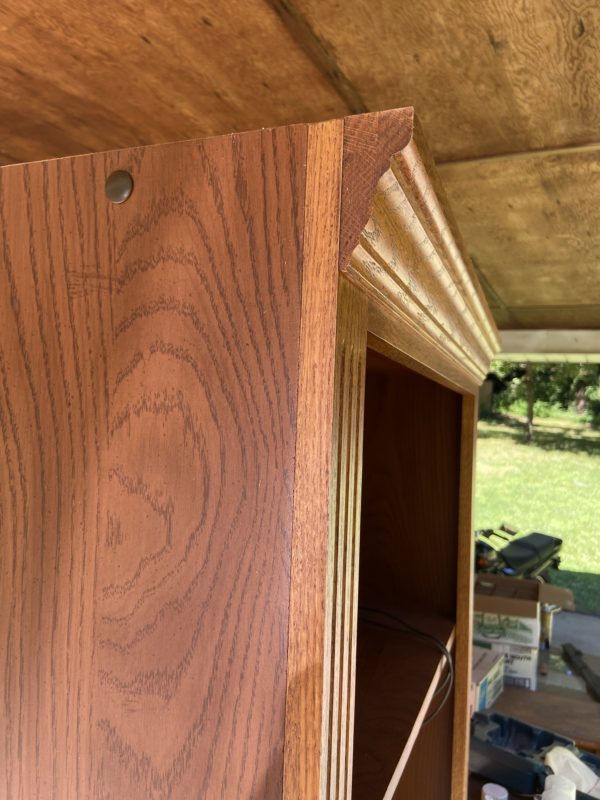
(507, 621)
(487, 678)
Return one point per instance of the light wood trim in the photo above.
(306, 643)
(464, 599)
(402, 341)
(407, 258)
(344, 549)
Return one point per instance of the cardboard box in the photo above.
(520, 663)
(508, 610)
(487, 676)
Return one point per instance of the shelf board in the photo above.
(396, 677)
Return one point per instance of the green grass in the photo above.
(551, 485)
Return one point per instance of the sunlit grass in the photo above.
(551, 485)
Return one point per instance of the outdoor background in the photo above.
(552, 483)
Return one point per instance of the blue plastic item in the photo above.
(511, 753)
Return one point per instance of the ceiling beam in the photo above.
(542, 152)
(320, 54)
(550, 345)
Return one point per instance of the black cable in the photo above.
(448, 681)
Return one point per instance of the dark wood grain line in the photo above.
(54, 447)
(13, 761)
(38, 445)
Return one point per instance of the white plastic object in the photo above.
(564, 762)
(491, 791)
(557, 787)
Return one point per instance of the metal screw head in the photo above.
(119, 186)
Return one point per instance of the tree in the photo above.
(539, 385)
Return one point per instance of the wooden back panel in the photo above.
(149, 372)
(428, 773)
(410, 491)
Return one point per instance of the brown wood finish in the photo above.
(428, 772)
(397, 676)
(309, 569)
(181, 409)
(370, 141)
(344, 544)
(148, 412)
(410, 493)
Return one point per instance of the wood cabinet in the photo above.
(198, 386)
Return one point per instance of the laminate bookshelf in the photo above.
(237, 410)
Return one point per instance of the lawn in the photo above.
(551, 485)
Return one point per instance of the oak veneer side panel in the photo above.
(344, 544)
(52, 402)
(149, 367)
(309, 568)
(464, 599)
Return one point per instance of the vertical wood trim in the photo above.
(344, 542)
(464, 599)
(306, 643)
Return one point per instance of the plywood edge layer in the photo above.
(399, 246)
(344, 545)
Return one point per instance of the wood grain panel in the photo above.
(305, 708)
(397, 676)
(410, 491)
(399, 248)
(427, 774)
(149, 376)
(554, 708)
(485, 76)
(344, 542)
(532, 227)
(81, 77)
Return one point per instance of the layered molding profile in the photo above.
(399, 244)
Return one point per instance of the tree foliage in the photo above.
(560, 384)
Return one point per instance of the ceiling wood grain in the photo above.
(79, 77)
(485, 76)
(524, 220)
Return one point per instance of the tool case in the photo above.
(511, 753)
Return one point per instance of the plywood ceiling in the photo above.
(491, 80)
